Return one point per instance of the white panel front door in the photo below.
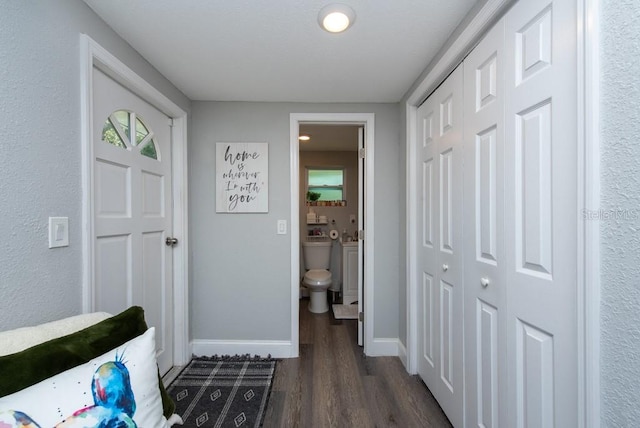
(132, 209)
(541, 222)
(439, 272)
(484, 277)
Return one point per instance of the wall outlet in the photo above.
(282, 227)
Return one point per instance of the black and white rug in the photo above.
(223, 392)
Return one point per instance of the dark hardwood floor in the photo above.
(332, 384)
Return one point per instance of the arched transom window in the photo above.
(125, 129)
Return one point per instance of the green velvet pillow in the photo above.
(40, 362)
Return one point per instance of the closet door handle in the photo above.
(445, 267)
(484, 282)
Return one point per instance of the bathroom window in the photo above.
(327, 182)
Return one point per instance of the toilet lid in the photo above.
(317, 277)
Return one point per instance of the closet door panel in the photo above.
(487, 401)
(484, 279)
(427, 203)
(542, 214)
(450, 391)
(533, 209)
(427, 325)
(428, 293)
(447, 340)
(440, 254)
(486, 197)
(445, 181)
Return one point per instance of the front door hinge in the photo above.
(361, 235)
(170, 120)
(361, 153)
(361, 316)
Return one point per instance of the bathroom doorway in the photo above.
(338, 142)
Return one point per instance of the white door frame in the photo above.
(94, 55)
(588, 257)
(368, 121)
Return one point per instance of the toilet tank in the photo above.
(317, 253)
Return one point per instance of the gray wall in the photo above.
(620, 190)
(241, 291)
(241, 286)
(40, 161)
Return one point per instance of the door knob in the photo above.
(171, 242)
(484, 282)
(445, 267)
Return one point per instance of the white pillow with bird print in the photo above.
(119, 389)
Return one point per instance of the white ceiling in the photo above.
(274, 50)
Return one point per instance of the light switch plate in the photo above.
(58, 232)
(282, 227)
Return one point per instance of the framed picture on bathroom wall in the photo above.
(242, 177)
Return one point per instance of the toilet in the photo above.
(317, 259)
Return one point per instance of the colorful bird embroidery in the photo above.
(114, 403)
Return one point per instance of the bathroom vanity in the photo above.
(349, 268)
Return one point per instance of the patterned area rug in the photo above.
(223, 392)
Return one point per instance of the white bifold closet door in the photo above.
(500, 193)
(541, 214)
(440, 297)
(520, 226)
(484, 249)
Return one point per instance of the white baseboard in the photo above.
(383, 347)
(263, 348)
(402, 353)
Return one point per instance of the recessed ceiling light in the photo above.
(304, 137)
(335, 18)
